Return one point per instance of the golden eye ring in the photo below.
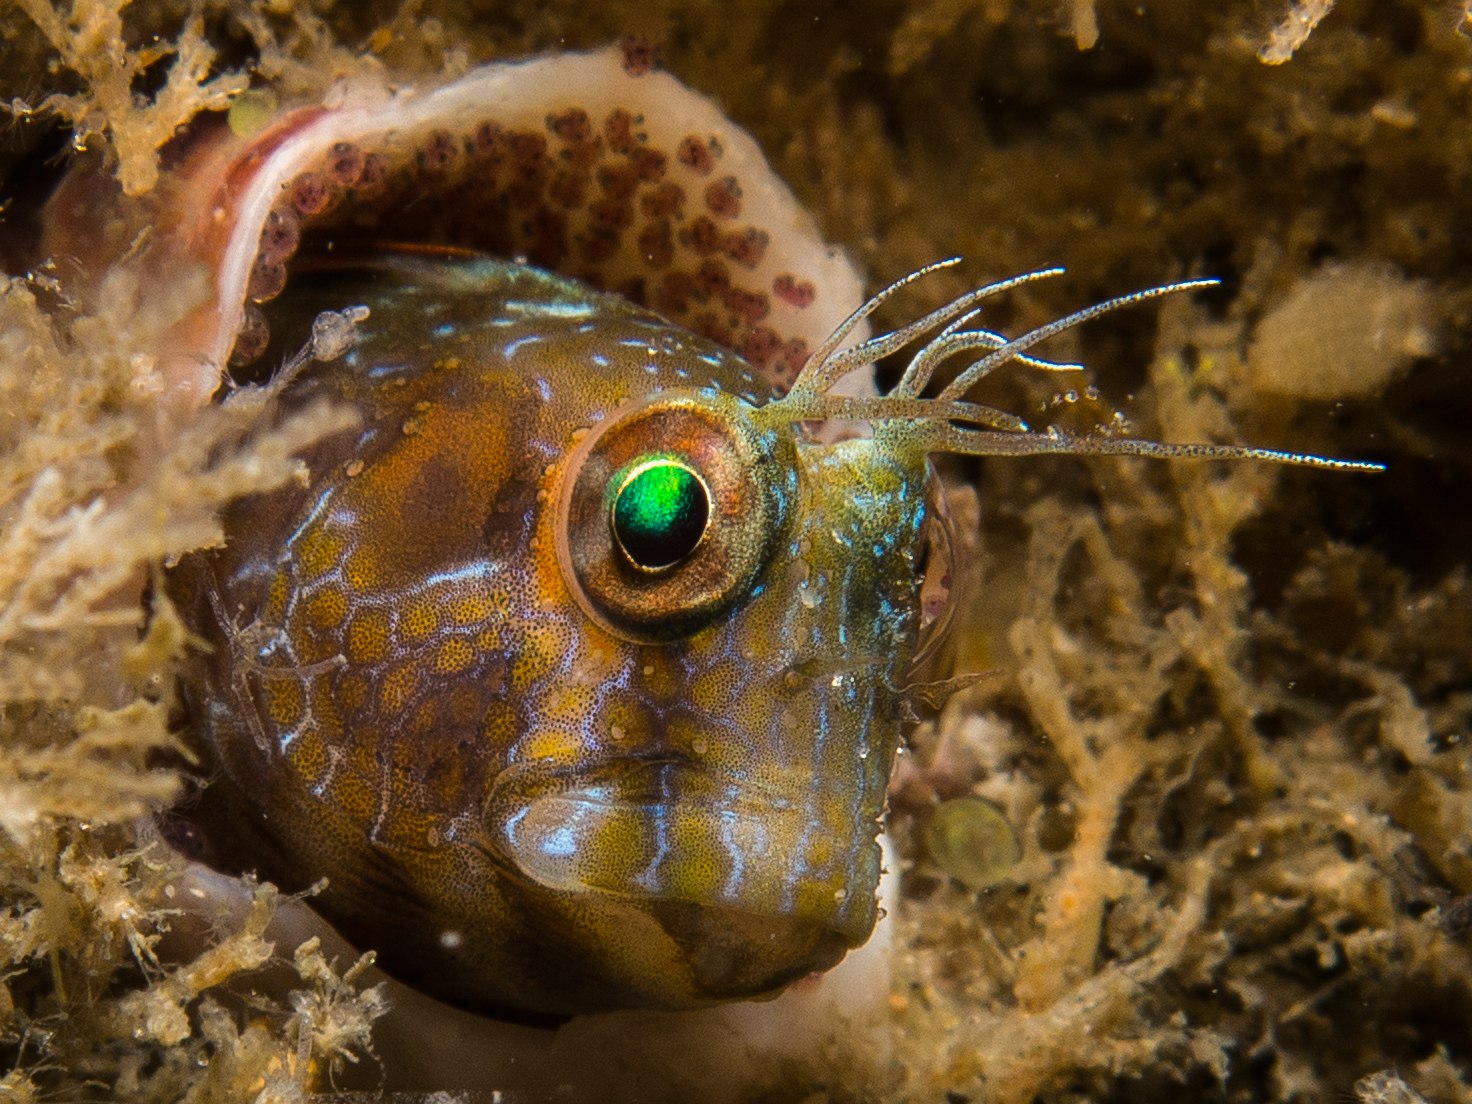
(668, 511)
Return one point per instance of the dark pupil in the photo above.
(660, 513)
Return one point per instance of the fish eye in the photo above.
(660, 512)
(668, 511)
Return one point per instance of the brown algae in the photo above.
(1230, 716)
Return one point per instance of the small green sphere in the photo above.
(660, 512)
(970, 839)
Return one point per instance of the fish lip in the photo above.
(531, 780)
(522, 777)
(605, 827)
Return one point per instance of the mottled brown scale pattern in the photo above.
(618, 181)
(746, 306)
(760, 345)
(314, 193)
(790, 360)
(618, 129)
(375, 172)
(439, 152)
(712, 278)
(696, 152)
(345, 164)
(613, 212)
(640, 55)
(267, 278)
(657, 244)
(702, 235)
(585, 190)
(252, 337)
(488, 146)
(723, 197)
(676, 290)
(570, 189)
(746, 247)
(788, 288)
(279, 235)
(572, 126)
(648, 164)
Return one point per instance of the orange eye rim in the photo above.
(746, 485)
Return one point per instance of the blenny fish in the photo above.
(578, 666)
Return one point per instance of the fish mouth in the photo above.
(672, 830)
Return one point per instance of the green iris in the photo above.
(659, 512)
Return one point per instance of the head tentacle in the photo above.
(830, 363)
(974, 372)
(948, 422)
(807, 382)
